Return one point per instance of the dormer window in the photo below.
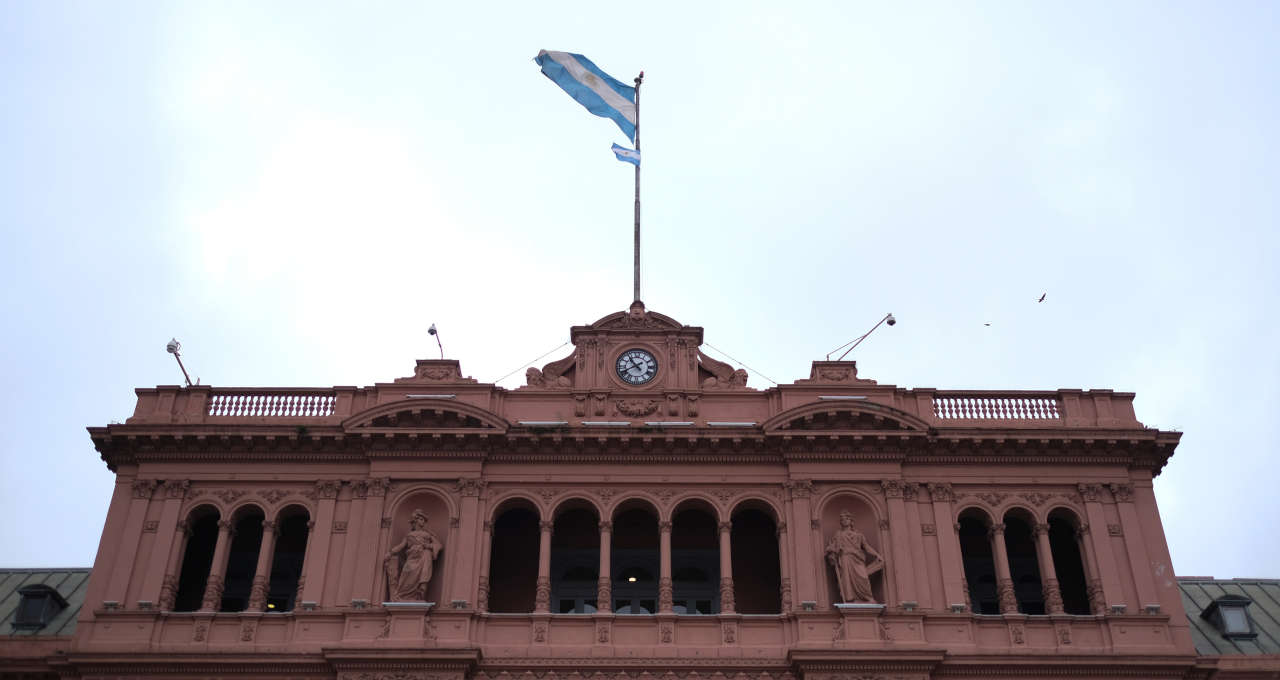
(1228, 613)
(38, 606)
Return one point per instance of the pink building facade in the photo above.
(635, 510)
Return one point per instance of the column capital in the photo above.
(664, 526)
(268, 527)
(488, 526)
(941, 492)
(726, 527)
(995, 530)
(1039, 530)
(1089, 492)
(546, 526)
(224, 525)
(606, 527)
(184, 527)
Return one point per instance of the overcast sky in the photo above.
(297, 190)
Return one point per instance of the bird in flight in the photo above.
(986, 324)
(1042, 296)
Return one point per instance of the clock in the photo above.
(636, 367)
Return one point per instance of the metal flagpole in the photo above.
(636, 278)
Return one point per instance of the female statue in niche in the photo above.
(854, 561)
(407, 579)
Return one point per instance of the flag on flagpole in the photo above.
(600, 93)
(626, 155)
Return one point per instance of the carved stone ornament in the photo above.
(542, 597)
(929, 529)
(143, 488)
(1052, 596)
(726, 595)
(665, 594)
(910, 491)
(941, 492)
(176, 488)
(197, 634)
(1008, 602)
(1097, 601)
(360, 488)
(1123, 492)
(786, 595)
(247, 630)
(666, 634)
(379, 487)
(730, 633)
(327, 488)
(1017, 633)
(469, 486)
(1089, 492)
(273, 496)
(799, 488)
(602, 633)
(1115, 530)
(229, 495)
(436, 371)
(636, 408)
(892, 488)
(722, 375)
(150, 526)
(553, 375)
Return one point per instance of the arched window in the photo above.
(695, 560)
(513, 561)
(757, 577)
(1068, 562)
(287, 559)
(575, 561)
(979, 562)
(634, 561)
(1024, 566)
(197, 558)
(242, 559)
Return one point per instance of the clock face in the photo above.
(637, 367)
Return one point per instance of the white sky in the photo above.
(297, 190)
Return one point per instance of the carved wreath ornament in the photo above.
(637, 408)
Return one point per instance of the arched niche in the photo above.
(575, 557)
(866, 521)
(437, 510)
(513, 556)
(757, 570)
(695, 557)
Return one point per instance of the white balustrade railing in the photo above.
(985, 407)
(272, 404)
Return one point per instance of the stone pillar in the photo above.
(317, 559)
(954, 589)
(1048, 573)
(129, 540)
(542, 600)
(486, 544)
(903, 569)
(161, 576)
(784, 569)
(262, 574)
(1099, 542)
(1097, 601)
(665, 593)
(1131, 529)
(924, 589)
(807, 575)
(604, 589)
(169, 588)
(1004, 580)
(212, 601)
(308, 556)
(463, 564)
(726, 569)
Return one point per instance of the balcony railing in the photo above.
(990, 407)
(272, 404)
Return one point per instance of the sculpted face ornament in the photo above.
(637, 367)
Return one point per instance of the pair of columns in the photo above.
(1004, 578)
(604, 590)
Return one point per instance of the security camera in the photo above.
(892, 320)
(432, 330)
(173, 346)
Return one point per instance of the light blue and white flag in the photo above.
(591, 87)
(626, 155)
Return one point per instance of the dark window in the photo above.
(1228, 613)
(38, 606)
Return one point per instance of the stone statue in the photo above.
(407, 580)
(854, 561)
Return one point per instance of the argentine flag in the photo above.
(591, 87)
(626, 155)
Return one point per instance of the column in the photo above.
(169, 587)
(903, 569)
(1097, 601)
(369, 565)
(924, 590)
(161, 576)
(953, 580)
(128, 540)
(262, 574)
(212, 601)
(317, 559)
(542, 601)
(808, 574)
(1131, 529)
(1048, 573)
(486, 543)
(1102, 555)
(308, 556)
(784, 569)
(463, 563)
(351, 541)
(604, 588)
(1004, 580)
(726, 569)
(665, 594)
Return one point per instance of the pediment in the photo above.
(436, 416)
(843, 417)
(636, 318)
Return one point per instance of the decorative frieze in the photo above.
(143, 488)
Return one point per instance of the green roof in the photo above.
(70, 584)
(1198, 593)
